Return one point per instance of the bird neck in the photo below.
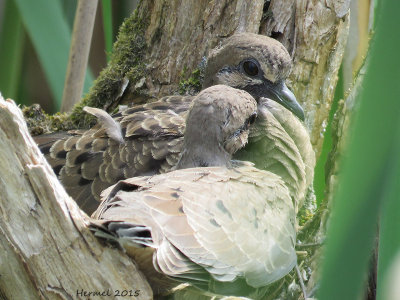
(208, 154)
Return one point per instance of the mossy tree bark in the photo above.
(160, 49)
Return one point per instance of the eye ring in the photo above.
(250, 68)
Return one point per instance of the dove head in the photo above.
(217, 126)
(255, 63)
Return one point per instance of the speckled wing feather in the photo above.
(89, 161)
(239, 231)
(153, 133)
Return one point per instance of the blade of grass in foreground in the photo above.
(12, 41)
(45, 23)
(319, 172)
(389, 235)
(368, 168)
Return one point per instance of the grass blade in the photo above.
(368, 166)
(11, 50)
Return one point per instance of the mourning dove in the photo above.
(227, 228)
(151, 137)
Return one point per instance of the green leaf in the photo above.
(320, 171)
(47, 28)
(367, 171)
(11, 50)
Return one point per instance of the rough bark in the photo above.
(182, 32)
(46, 250)
(315, 33)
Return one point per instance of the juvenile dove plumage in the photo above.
(227, 228)
(87, 162)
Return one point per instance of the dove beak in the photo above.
(280, 93)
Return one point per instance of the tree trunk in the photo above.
(46, 250)
(159, 51)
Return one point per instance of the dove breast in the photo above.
(218, 228)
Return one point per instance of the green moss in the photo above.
(127, 63)
(191, 85)
(40, 123)
(60, 122)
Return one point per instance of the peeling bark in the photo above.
(47, 251)
(315, 33)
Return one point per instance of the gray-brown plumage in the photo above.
(227, 228)
(89, 161)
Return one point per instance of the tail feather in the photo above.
(122, 233)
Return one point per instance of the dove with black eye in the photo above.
(251, 67)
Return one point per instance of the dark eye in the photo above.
(250, 68)
(249, 121)
(252, 118)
